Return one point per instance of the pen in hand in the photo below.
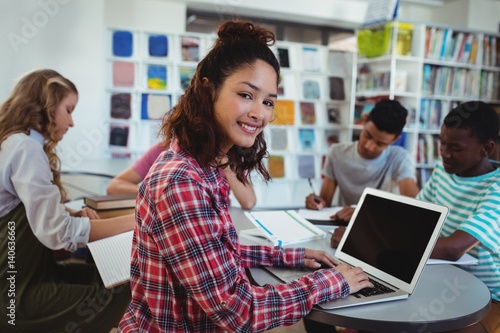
(316, 199)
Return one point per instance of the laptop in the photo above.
(391, 237)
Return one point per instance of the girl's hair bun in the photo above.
(239, 30)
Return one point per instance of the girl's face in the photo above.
(245, 103)
(63, 114)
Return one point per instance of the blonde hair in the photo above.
(32, 105)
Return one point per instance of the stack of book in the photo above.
(111, 205)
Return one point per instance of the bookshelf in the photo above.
(148, 71)
(430, 69)
(146, 74)
(313, 105)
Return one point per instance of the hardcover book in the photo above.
(110, 201)
(120, 106)
(283, 57)
(337, 91)
(118, 135)
(307, 113)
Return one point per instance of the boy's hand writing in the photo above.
(314, 202)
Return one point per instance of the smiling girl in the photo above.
(46, 296)
(188, 267)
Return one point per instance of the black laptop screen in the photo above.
(390, 235)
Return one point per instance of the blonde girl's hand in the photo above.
(87, 212)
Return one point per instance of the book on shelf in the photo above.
(311, 59)
(307, 139)
(121, 105)
(276, 166)
(457, 46)
(311, 89)
(155, 106)
(111, 201)
(118, 135)
(285, 110)
(284, 227)
(157, 77)
(467, 48)
(337, 91)
(123, 74)
(122, 43)
(112, 258)
(473, 52)
(281, 86)
(333, 114)
(437, 44)
(306, 166)
(190, 47)
(279, 138)
(283, 57)
(185, 76)
(158, 45)
(448, 45)
(307, 113)
(429, 37)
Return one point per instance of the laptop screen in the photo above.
(391, 236)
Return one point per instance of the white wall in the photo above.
(484, 15)
(69, 36)
(342, 12)
(64, 35)
(152, 15)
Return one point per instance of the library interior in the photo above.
(132, 60)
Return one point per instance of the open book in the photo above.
(112, 258)
(284, 227)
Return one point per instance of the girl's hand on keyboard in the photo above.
(356, 278)
(316, 259)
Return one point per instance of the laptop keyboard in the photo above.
(378, 289)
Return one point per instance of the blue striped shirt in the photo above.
(474, 207)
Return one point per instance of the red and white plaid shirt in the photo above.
(188, 267)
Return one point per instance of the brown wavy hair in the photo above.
(32, 105)
(192, 121)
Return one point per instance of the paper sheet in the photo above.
(322, 215)
(112, 258)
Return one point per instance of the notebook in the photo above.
(391, 237)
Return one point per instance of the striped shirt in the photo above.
(474, 207)
(188, 267)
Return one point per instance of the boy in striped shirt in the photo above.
(469, 184)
